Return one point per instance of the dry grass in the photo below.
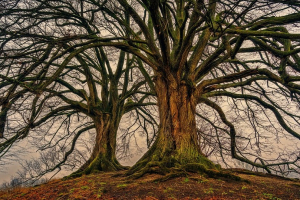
(194, 186)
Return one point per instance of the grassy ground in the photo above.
(193, 186)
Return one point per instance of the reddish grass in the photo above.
(194, 187)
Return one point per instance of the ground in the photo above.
(114, 185)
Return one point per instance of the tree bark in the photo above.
(177, 143)
(103, 157)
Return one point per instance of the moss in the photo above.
(170, 176)
(164, 162)
(206, 162)
(195, 167)
(136, 167)
(122, 185)
(85, 187)
(100, 163)
(155, 157)
(73, 175)
(138, 173)
(94, 166)
(173, 163)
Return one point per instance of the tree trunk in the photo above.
(177, 143)
(103, 157)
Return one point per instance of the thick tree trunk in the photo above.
(177, 143)
(103, 157)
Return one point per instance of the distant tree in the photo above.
(234, 64)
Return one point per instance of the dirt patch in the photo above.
(193, 186)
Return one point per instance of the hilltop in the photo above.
(194, 186)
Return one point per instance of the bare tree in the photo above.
(234, 64)
(239, 59)
(57, 83)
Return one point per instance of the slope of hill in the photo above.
(193, 186)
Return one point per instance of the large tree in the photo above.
(57, 84)
(203, 51)
(208, 57)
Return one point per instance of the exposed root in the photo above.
(151, 167)
(212, 171)
(171, 176)
(165, 160)
(99, 164)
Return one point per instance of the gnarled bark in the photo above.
(103, 157)
(176, 147)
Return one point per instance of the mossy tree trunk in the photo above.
(103, 157)
(176, 146)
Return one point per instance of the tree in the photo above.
(56, 84)
(203, 54)
(197, 51)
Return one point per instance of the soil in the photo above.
(193, 186)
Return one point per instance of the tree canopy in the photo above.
(225, 75)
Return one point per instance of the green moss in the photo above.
(122, 185)
(175, 163)
(170, 176)
(155, 157)
(244, 187)
(209, 191)
(195, 167)
(270, 196)
(168, 189)
(100, 163)
(85, 187)
(186, 180)
(203, 181)
(137, 167)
